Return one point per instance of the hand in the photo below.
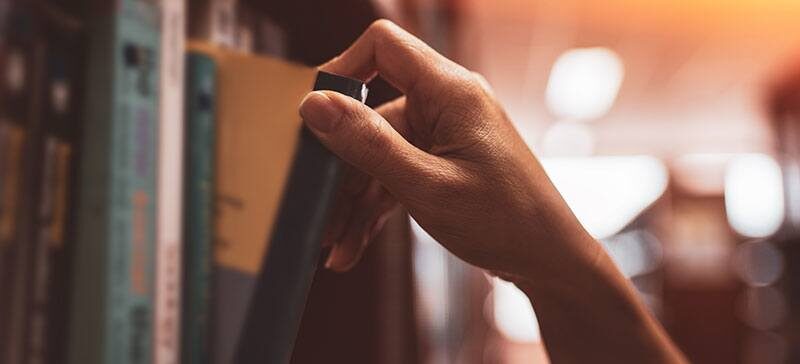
(447, 152)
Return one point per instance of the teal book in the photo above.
(198, 222)
(113, 295)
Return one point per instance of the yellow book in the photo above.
(257, 130)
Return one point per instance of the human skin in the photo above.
(447, 152)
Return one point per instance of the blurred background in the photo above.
(669, 128)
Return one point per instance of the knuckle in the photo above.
(477, 76)
(382, 27)
(473, 85)
(468, 89)
(482, 82)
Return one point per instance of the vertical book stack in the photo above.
(141, 178)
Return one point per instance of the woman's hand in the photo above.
(447, 152)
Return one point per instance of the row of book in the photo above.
(39, 104)
(139, 176)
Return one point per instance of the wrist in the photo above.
(562, 253)
(585, 294)
(572, 267)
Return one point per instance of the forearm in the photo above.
(589, 312)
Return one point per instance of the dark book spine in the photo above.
(12, 138)
(22, 60)
(47, 246)
(198, 207)
(276, 307)
(49, 269)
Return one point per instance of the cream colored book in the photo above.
(258, 126)
(166, 325)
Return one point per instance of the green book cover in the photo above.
(112, 318)
(198, 207)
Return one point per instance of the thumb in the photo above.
(361, 136)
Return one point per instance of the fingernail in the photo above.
(329, 261)
(320, 112)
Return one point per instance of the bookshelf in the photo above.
(110, 207)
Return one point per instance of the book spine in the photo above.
(51, 246)
(198, 211)
(87, 338)
(170, 170)
(13, 139)
(133, 190)
(23, 67)
(214, 21)
(222, 23)
(245, 28)
(115, 255)
(13, 93)
(49, 241)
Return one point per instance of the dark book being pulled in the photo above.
(276, 307)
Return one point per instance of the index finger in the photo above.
(386, 49)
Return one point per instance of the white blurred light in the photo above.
(607, 193)
(754, 195)
(568, 139)
(430, 273)
(584, 83)
(513, 314)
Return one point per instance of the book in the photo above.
(59, 98)
(276, 306)
(113, 303)
(170, 184)
(46, 316)
(22, 57)
(270, 38)
(214, 21)
(12, 139)
(198, 207)
(257, 130)
(245, 28)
